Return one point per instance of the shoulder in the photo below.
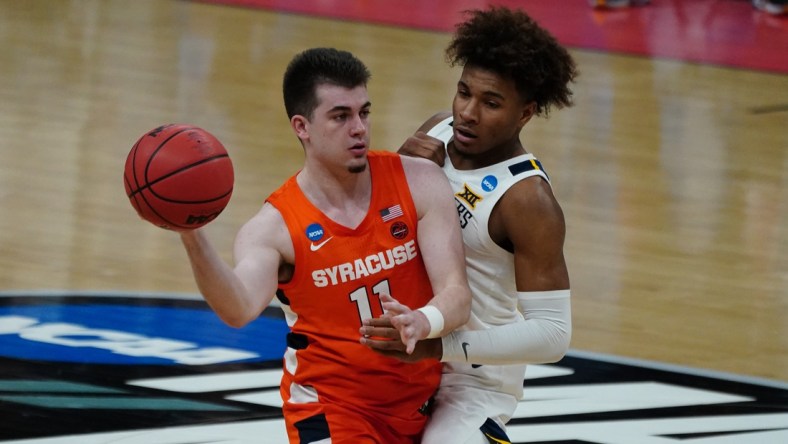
(419, 169)
(267, 228)
(434, 120)
(533, 193)
(532, 198)
(427, 183)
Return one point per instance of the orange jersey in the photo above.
(339, 274)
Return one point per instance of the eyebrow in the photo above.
(346, 108)
(485, 92)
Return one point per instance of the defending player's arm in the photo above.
(542, 282)
(238, 295)
(440, 243)
(422, 145)
(543, 291)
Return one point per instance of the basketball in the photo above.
(178, 177)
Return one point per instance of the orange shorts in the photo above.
(313, 422)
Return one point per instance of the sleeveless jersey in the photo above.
(490, 267)
(339, 274)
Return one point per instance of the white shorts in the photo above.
(459, 411)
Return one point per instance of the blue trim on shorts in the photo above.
(494, 433)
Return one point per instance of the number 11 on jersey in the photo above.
(363, 300)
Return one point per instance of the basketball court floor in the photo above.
(672, 169)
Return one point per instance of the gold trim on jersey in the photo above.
(469, 196)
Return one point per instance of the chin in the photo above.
(465, 149)
(357, 168)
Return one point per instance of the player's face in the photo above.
(488, 116)
(340, 126)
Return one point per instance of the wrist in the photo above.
(434, 318)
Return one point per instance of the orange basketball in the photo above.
(178, 177)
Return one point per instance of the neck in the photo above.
(343, 197)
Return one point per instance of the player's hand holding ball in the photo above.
(178, 177)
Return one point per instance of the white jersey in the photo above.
(490, 269)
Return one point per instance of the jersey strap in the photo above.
(527, 165)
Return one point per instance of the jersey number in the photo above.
(361, 298)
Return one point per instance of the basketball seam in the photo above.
(150, 158)
(156, 151)
(172, 173)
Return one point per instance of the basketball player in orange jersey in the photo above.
(343, 231)
(512, 225)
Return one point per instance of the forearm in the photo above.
(543, 337)
(217, 282)
(454, 303)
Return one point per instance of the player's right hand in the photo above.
(422, 145)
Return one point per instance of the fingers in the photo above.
(383, 345)
(378, 322)
(412, 327)
(379, 332)
(411, 346)
(392, 307)
(401, 325)
(392, 347)
(387, 337)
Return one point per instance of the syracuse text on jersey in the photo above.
(372, 264)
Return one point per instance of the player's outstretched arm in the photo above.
(238, 295)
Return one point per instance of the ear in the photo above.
(300, 126)
(528, 111)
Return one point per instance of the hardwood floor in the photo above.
(673, 176)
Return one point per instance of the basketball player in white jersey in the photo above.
(513, 227)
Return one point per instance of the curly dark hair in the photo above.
(511, 44)
(314, 67)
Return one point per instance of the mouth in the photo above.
(358, 149)
(463, 134)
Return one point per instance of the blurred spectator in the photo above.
(603, 4)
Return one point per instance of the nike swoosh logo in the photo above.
(315, 247)
(465, 350)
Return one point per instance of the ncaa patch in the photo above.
(315, 232)
(489, 183)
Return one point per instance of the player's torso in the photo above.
(339, 274)
(490, 267)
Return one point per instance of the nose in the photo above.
(469, 111)
(359, 126)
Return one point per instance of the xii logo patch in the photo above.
(469, 196)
